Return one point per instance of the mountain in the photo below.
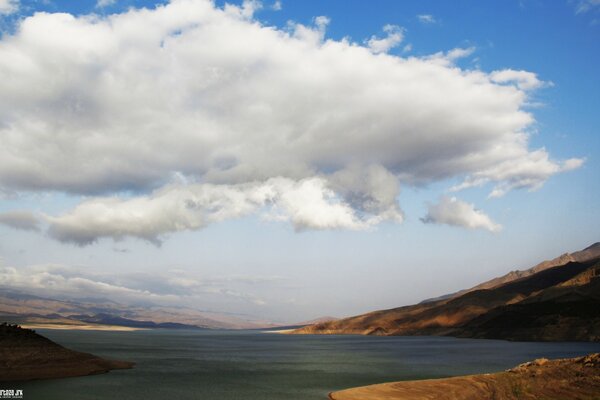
(586, 254)
(25, 308)
(26, 355)
(551, 303)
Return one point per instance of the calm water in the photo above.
(227, 365)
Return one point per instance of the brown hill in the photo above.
(575, 378)
(25, 355)
(558, 303)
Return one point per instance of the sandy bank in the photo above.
(280, 331)
(82, 327)
(575, 378)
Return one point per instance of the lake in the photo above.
(250, 365)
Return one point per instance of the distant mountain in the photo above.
(27, 308)
(26, 355)
(550, 303)
(586, 254)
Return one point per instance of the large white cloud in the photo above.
(100, 104)
(455, 212)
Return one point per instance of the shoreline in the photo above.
(571, 378)
(82, 327)
(27, 355)
(279, 331)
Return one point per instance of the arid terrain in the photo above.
(575, 378)
(557, 300)
(25, 355)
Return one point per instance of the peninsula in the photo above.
(25, 355)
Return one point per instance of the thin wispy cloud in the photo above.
(426, 19)
(583, 6)
(105, 3)
(64, 282)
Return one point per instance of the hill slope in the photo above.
(557, 303)
(25, 355)
(589, 253)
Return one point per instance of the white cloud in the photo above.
(307, 204)
(426, 19)
(193, 93)
(530, 172)
(452, 211)
(448, 59)
(9, 7)
(23, 220)
(105, 3)
(53, 279)
(584, 6)
(172, 288)
(394, 37)
(277, 6)
(523, 80)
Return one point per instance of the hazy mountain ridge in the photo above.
(554, 303)
(24, 307)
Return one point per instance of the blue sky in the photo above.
(268, 161)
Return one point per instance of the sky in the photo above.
(293, 159)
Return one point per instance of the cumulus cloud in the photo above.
(9, 7)
(307, 203)
(190, 92)
(23, 220)
(452, 211)
(426, 19)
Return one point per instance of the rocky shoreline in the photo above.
(574, 378)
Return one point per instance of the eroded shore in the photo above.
(574, 378)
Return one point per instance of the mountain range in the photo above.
(25, 308)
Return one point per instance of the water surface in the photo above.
(250, 365)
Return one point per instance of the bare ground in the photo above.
(567, 379)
